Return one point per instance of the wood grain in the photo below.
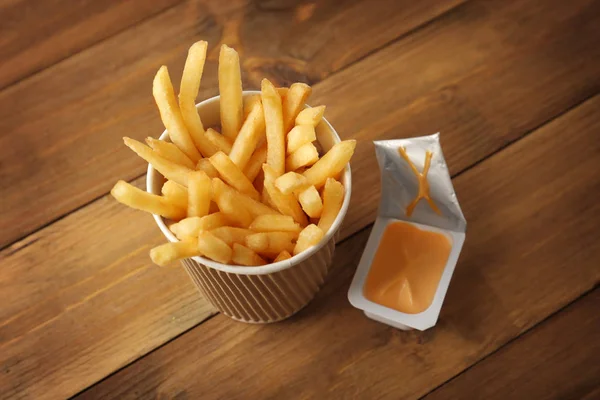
(530, 250)
(42, 304)
(61, 130)
(38, 33)
(81, 298)
(557, 359)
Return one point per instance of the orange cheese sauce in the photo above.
(407, 268)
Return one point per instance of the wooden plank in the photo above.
(44, 305)
(81, 298)
(62, 128)
(557, 359)
(38, 33)
(531, 248)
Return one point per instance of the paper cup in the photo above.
(271, 292)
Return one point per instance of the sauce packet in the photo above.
(416, 189)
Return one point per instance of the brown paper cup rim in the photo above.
(152, 176)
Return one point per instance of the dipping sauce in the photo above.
(407, 268)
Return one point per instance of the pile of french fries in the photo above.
(253, 193)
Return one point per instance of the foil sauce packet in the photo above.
(405, 269)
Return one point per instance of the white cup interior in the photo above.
(326, 136)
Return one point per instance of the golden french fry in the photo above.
(234, 209)
(199, 194)
(255, 207)
(265, 198)
(166, 253)
(284, 255)
(254, 165)
(274, 127)
(233, 175)
(190, 227)
(299, 136)
(311, 203)
(305, 155)
(231, 235)
(166, 168)
(333, 197)
(188, 91)
(230, 88)
(275, 223)
(219, 141)
(295, 99)
(164, 95)
(282, 91)
(244, 256)
(176, 194)
(310, 236)
(285, 203)
(271, 243)
(310, 116)
(249, 103)
(205, 165)
(133, 197)
(214, 248)
(170, 152)
(291, 182)
(331, 164)
(245, 143)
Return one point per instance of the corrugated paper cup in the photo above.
(267, 293)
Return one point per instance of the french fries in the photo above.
(252, 131)
(255, 207)
(205, 165)
(284, 255)
(311, 202)
(164, 95)
(333, 197)
(245, 196)
(294, 102)
(176, 194)
(275, 223)
(234, 209)
(170, 152)
(233, 175)
(199, 194)
(168, 169)
(285, 203)
(249, 103)
(133, 197)
(231, 235)
(271, 243)
(167, 253)
(254, 166)
(331, 164)
(305, 155)
(244, 256)
(291, 182)
(282, 91)
(299, 136)
(188, 91)
(213, 247)
(230, 88)
(220, 142)
(274, 127)
(309, 237)
(192, 226)
(310, 116)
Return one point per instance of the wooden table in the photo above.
(513, 86)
